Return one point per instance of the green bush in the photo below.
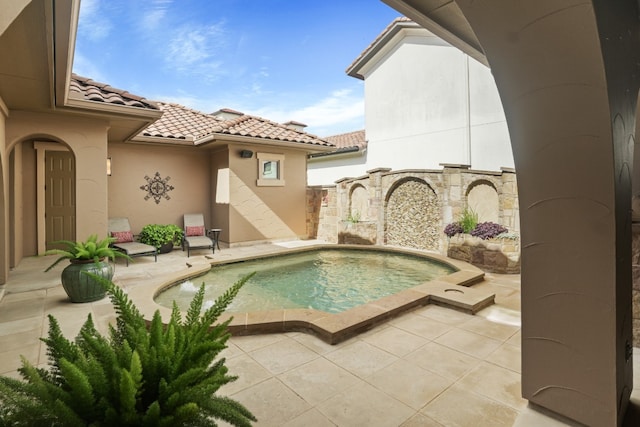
(139, 376)
(158, 235)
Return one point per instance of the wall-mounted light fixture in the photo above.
(108, 166)
(246, 154)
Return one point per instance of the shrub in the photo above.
(452, 229)
(158, 235)
(468, 220)
(488, 230)
(353, 217)
(141, 376)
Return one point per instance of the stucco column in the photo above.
(4, 193)
(564, 72)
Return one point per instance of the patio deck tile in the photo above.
(396, 341)
(361, 358)
(409, 383)
(462, 408)
(442, 360)
(470, 343)
(283, 356)
(432, 366)
(507, 356)
(318, 380)
(420, 325)
(499, 384)
(312, 417)
(365, 405)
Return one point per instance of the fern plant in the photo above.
(141, 375)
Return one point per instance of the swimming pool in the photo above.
(329, 280)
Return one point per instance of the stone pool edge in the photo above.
(451, 291)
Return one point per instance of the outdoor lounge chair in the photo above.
(195, 234)
(120, 229)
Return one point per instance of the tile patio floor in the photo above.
(431, 367)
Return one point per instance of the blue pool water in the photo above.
(330, 280)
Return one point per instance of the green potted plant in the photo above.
(138, 375)
(88, 256)
(163, 236)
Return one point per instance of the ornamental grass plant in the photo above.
(156, 375)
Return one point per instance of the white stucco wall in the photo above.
(426, 103)
(327, 170)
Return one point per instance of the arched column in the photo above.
(566, 72)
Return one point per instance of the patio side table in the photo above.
(214, 233)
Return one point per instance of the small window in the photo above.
(270, 170)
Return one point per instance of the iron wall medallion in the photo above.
(157, 188)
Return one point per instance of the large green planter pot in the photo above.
(81, 287)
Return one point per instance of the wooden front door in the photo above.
(60, 197)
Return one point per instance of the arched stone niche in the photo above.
(412, 215)
(483, 199)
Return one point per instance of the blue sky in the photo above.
(278, 59)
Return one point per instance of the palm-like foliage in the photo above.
(92, 249)
(156, 375)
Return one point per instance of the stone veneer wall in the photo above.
(493, 255)
(322, 217)
(406, 208)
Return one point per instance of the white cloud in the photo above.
(152, 19)
(192, 51)
(342, 111)
(93, 23)
(87, 68)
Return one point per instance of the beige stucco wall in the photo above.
(187, 169)
(4, 208)
(219, 159)
(87, 139)
(266, 213)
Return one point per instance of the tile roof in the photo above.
(179, 122)
(85, 89)
(349, 140)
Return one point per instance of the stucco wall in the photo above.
(186, 169)
(458, 107)
(259, 213)
(87, 139)
(220, 173)
(426, 103)
(4, 206)
(328, 169)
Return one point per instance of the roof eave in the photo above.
(338, 154)
(219, 138)
(114, 109)
(453, 36)
(65, 27)
(161, 140)
(378, 45)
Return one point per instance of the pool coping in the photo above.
(452, 290)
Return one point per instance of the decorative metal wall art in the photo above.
(157, 188)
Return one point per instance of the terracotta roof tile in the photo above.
(179, 122)
(348, 140)
(86, 89)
